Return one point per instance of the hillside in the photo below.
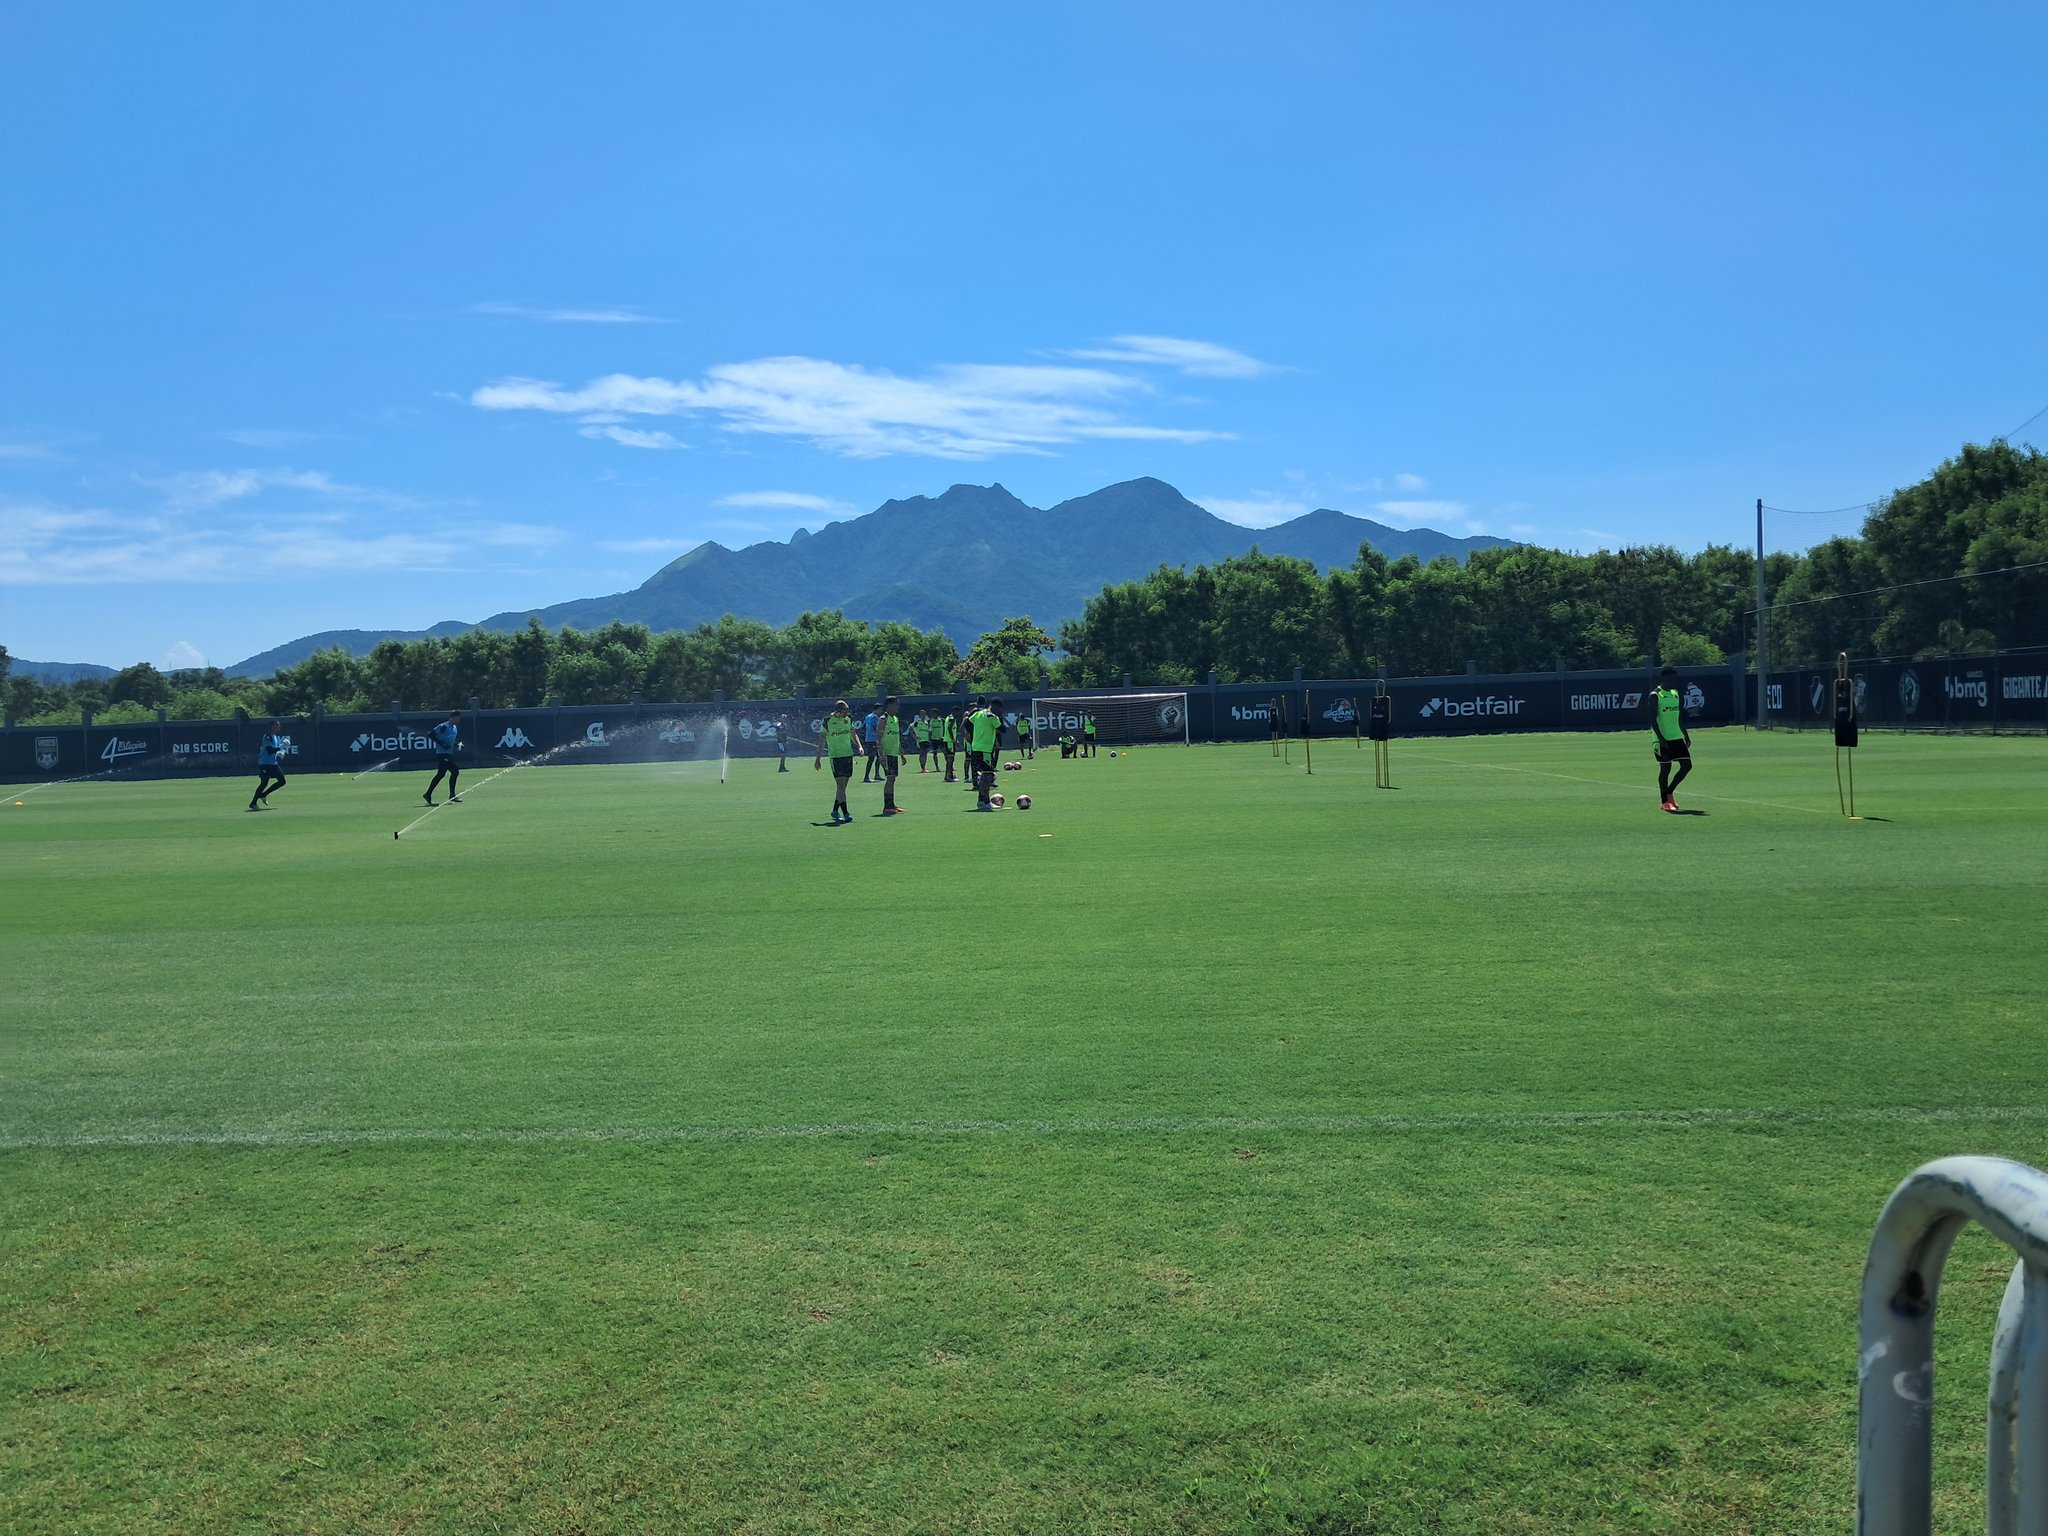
(962, 561)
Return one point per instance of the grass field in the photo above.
(1211, 1148)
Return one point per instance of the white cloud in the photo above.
(182, 655)
(1201, 359)
(202, 532)
(648, 546)
(1433, 514)
(27, 451)
(964, 411)
(1256, 511)
(270, 437)
(1409, 483)
(615, 314)
(196, 490)
(632, 437)
(800, 501)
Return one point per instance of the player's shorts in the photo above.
(445, 761)
(1673, 751)
(842, 767)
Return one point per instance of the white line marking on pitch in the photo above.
(423, 815)
(1590, 1119)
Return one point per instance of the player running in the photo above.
(841, 742)
(446, 741)
(1673, 741)
(270, 750)
(1024, 725)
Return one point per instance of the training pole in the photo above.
(1845, 735)
(1308, 757)
(1382, 728)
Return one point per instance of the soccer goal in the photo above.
(1121, 719)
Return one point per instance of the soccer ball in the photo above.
(996, 801)
(1023, 802)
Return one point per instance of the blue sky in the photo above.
(372, 316)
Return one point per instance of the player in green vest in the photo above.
(949, 735)
(1024, 724)
(1087, 735)
(1673, 741)
(841, 742)
(982, 728)
(889, 747)
(921, 733)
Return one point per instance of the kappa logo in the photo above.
(116, 749)
(514, 737)
(1909, 691)
(46, 752)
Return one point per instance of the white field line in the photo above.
(1508, 1120)
(1691, 794)
(480, 783)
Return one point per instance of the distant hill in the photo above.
(357, 642)
(57, 671)
(963, 562)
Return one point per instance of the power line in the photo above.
(1869, 507)
(1900, 586)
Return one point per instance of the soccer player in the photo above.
(1673, 741)
(782, 743)
(921, 731)
(446, 741)
(982, 728)
(867, 771)
(949, 737)
(270, 748)
(1024, 724)
(889, 747)
(842, 741)
(1087, 735)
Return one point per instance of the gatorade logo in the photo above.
(594, 733)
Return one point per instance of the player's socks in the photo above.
(455, 799)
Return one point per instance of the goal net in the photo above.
(1121, 719)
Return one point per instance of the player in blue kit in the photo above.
(446, 741)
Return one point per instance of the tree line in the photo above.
(1957, 563)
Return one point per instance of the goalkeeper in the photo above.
(1672, 741)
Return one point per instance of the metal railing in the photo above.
(1895, 1392)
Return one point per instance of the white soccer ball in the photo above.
(1023, 802)
(996, 801)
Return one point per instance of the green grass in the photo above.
(1212, 1148)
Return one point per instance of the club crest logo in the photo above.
(1909, 691)
(46, 752)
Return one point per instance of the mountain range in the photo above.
(961, 562)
